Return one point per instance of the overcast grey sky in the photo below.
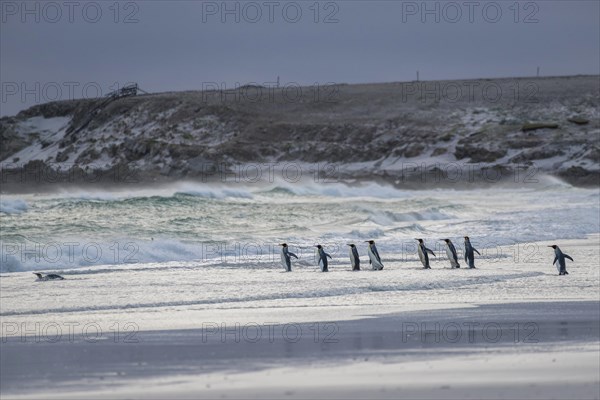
(181, 45)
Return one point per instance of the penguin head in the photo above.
(466, 238)
(446, 240)
(553, 246)
(319, 246)
(419, 240)
(283, 244)
(38, 275)
(370, 241)
(351, 244)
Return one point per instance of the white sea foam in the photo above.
(72, 252)
(210, 285)
(217, 193)
(10, 206)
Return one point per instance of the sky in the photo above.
(58, 50)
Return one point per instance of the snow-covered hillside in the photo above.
(388, 131)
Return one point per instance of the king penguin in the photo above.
(374, 258)
(560, 257)
(322, 258)
(422, 250)
(470, 253)
(49, 277)
(286, 261)
(354, 258)
(451, 253)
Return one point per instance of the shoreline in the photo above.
(505, 275)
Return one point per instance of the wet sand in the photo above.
(510, 350)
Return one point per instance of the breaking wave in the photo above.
(13, 206)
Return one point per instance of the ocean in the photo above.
(239, 225)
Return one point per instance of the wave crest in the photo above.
(13, 206)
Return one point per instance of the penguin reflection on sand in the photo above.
(354, 258)
(374, 258)
(422, 250)
(560, 257)
(470, 253)
(286, 255)
(451, 253)
(322, 258)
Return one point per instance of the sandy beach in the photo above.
(530, 335)
(537, 350)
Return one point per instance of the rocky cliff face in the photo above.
(550, 125)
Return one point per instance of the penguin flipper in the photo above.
(475, 250)
(554, 262)
(431, 252)
(568, 256)
(329, 256)
(293, 255)
(377, 255)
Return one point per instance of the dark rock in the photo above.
(88, 155)
(523, 143)
(578, 121)
(414, 150)
(478, 154)
(64, 155)
(581, 177)
(593, 154)
(536, 154)
(539, 125)
(439, 151)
